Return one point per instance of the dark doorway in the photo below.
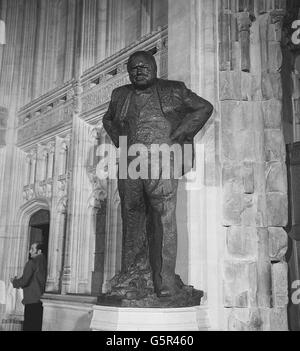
(39, 229)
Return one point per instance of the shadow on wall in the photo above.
(84, 322)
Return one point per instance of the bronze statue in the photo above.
(151, 111)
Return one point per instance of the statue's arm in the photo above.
(198, 111)
(108, 123)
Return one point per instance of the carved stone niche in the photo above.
(31, 158)
(63, 158)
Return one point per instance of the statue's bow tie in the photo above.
(144, 91)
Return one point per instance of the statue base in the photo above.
(187, 296)
(108, 318)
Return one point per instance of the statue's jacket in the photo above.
(186, 111)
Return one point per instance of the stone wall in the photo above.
(3, 125)
(254, 184)
(48, 42)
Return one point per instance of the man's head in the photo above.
(142, 69)
(36, 249)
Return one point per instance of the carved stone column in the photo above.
(244, 23)
(33, 155)
(58, 279)
(50, 165)
(113, 240)
(78, 240)
(98, 208)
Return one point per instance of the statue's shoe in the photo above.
(167, 291)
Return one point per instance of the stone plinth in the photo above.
(67, 312)
(106, 318)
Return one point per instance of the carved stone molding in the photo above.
(44, 188)
(115, 197)
(98, 198)
(97, 183)
(101, 93)
(277, 16)
(63, 185)
(100, 189)
(45, 122)
(96, 133)
(62, 205)
(51, 147)
(28, 192)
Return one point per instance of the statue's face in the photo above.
(141, 72)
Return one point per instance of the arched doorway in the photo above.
(39, 224)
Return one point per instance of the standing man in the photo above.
(152, 111)
(33, 283)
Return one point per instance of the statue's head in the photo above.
(142, 69)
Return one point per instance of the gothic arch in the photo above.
(24, 214)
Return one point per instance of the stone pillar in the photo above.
(27, 52)
(254, 205)
(39, 49)
(101, 30)
(115, 33)
(89, 33)
(113, 240)
(78, 240)
(3, 8)
(57, 239)
(70, 40)
(192, 58)
(146, 9)
(97, 232)
(3, 125)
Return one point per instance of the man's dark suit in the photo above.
(155, 200)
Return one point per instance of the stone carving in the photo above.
(44, 188)
(62, 185)
(101, 93)
(147, 277)
(28, 192)
(62, 205)
(36, 126)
